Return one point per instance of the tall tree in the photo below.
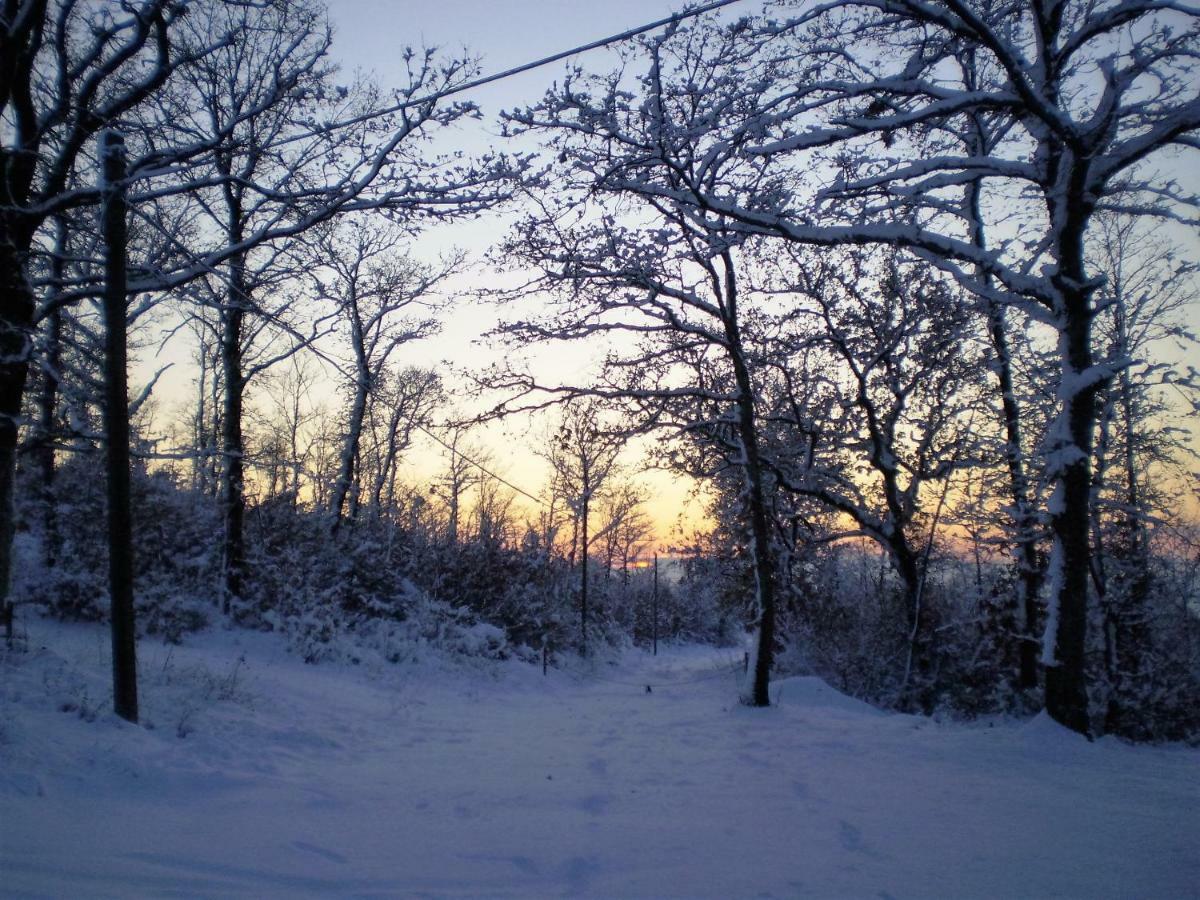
(295, 150)
(68, 69)
(627, 263)
(582, 458)
(676, 286)
(834, 103)
(408, 398)
(384, 299)
(116, 428)
(1140, 446)
(883, 410)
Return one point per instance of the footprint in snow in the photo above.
(525, 865)
(522, 864)
(595, 804)
(579, 870)
(850, 836)
(319, 851)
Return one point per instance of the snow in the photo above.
(262, 776)
(1052, 592)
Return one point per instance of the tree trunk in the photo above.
(1024, 517)
(917, 653)
(756, 501)
(47, 407)
(583, 569)
(16, 318)
(233, 475)
(200, 463)
(1126, 636)
(1135, 539)
(346, 474)
(116, 426)
(1070, 508)
(387, 465)
(764, 572)
(1029, 571)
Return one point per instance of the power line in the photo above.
(583, 48)
(480, 466)
(672, 19)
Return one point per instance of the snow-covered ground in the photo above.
(256, 775)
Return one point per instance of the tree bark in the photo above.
(1070, 514)
(116, 422)
(909, 569)
(346, 474)
(1024, 517)
(233, 476)
(756, 501)
(1029, 571)
(16, 320)
(583, 569)
(47, 407)
(1066, 685)
(387, 464)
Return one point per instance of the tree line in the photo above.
(894, 282)
(871, 266)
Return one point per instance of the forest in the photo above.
(906, 289)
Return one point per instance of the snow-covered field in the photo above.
(256, 775)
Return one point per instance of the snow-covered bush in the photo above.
(174, 552)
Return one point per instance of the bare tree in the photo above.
(1079, 150)
(675, 285)
(385, 300)
(408, 398)
(491, 515)
(883, 411)
(285, 413)
(624, 528)
(582, 457)
(625, 263)
(67, 70)
(295, 150)
(830, 108)
(459, 476)
(1141, 439)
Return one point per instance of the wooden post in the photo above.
(654, 614)
(545, 657)
(583, 573)
(116, 427)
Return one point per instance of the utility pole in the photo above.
(116, 427)
(583, 566)
(654, 604)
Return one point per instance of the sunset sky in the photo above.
(370, 36)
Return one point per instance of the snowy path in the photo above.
(298, 780)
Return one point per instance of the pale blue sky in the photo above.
(505, 33)
(371, 35)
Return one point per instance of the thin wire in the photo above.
(481, 467)
(517, 70)
(672, 19)
(546, 60)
